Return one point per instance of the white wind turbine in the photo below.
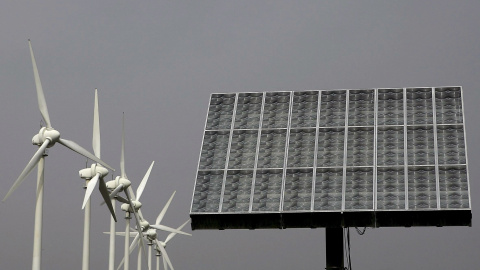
(160, 248)
(150, 232)
(46, 138)
(92, 175)
(121, 183)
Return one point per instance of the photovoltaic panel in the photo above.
(333, 158)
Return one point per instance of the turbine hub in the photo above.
(127, 208)
(119, 180)
(44, 134)
(89, 173)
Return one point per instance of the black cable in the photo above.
(361, 232)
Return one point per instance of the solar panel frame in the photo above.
(279, 204)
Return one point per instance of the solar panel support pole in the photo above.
(334, 248)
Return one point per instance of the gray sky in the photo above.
(158, 62)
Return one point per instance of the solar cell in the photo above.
(333, 158)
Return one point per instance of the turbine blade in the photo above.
(164, 254)
(131, 248)
(42, 104)
(115, 191)
(137, 219)
(168, 229)
(164, 210)
(171, 235)
(77, 148)
(164, 263)
(31, 164)
(122, 157)
(141, 187)
(102, 187)
(96, 128)
(121, 199)
(91, 185)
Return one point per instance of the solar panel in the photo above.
(333, 158)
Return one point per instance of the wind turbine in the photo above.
(150, 231)
(46, 138)
(92, 175)
(160, 248)
(121, 183)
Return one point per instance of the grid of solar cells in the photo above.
(398, 149)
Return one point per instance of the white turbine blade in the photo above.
(42, 104)
(121, 199)
(115, 191)
(96, 128)
(122, 157)
(91, 185)
(131, 193)
(164, 254)
(132, 234)
(131, 248)
(31, 164)
(77, 148)
(171, 235)
(102, 187)
(141, 187)
(168, 229)
(164, 210)
(137, 219)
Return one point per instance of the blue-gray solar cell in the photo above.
(243, 148)
(214, 150)
(208, 189)
(360, 146)
(328, 189)
(359, 189)
(329, 158)
(332, 109)
(330, 147)
(390, 146)
(272, 148)
(276, 109)
(301, 148)
(453, 187)
(249, 108)
(220, 111)
(448, 101)
(390, 107)
(390, 188)
(451, 145)
(422, 193)
(304, 109)
(267, 191)
(361, 108)
(298, 190)
(238, 187)
(421, 145)
(419, 106)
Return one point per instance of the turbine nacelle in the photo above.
(89, 173)
(46, 133)
(127, 208)
(151, 234)
(113, 184)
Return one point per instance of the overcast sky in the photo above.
(158, 61)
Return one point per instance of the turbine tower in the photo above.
(121, 183)
(46, 138)
(92, 176)
(150, 232)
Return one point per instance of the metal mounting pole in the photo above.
(334, 248)
(86, 235)
(127, 240)
(111, 254)
(37, 235)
